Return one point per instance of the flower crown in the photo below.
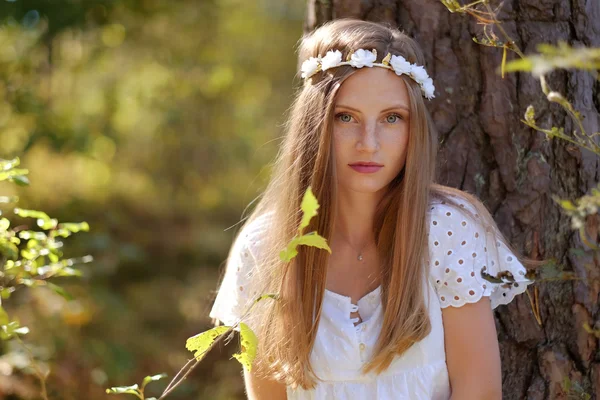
(364, 58)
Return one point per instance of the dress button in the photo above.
(362, 346)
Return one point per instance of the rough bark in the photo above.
(514, 170)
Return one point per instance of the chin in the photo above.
(365, 187)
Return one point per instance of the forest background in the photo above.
(154, 121)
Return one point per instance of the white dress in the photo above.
(459, 248)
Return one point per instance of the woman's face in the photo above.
(371, 124)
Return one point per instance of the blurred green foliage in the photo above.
(30, 258)
(155, 121)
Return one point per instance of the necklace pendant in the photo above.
(360, 257)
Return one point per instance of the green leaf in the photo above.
(523, 64)
(66, 271)
(59, 290)
(200, 343)
(153, 378)
(452, 5)
(21, 180)
(74, 227)
(313, 239)
(4, 224)
(26, 235)
(12, 329)
(568, 205)
(61, 233)
(309, 208)
(310, 239)
(6, 292)
(28, 255)
(289, 252)
(31, 214)
(13, 174)
(248, 346)
(556, 131)
(47, 224)
(53, 257)
(6, 165)
(125, 390)
(530, 114)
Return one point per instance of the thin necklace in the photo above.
(360, 256)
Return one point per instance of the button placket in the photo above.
(354, 308)
(362, 347)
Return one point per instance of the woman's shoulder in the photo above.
(465, 255)
(239, 287)
(252, 231)
(453, 208)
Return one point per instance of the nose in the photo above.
(369, 140)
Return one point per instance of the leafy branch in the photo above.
(29, 258)
(549, 58)
(202, 343)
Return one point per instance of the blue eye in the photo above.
(341, 116)
(397, 116)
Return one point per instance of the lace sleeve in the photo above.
(460, 248)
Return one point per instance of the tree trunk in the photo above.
(514, 170)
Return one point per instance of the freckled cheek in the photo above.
(395, 146)
(346, 133)
(344, 139)
(394, 138)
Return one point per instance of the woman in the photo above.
(373, 318)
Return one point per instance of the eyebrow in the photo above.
(387, 109)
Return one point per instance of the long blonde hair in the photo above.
(288, 326)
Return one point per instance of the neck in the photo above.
(355, 217)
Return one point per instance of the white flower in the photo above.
(400, 65)
(331, 59)
(310, 66)
(428, 88)
(418, 73)
(362, 58)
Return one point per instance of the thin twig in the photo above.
(178, 373)
(38, 372)
(174, 384)
(508, 39)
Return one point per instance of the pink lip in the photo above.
(366, 169)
